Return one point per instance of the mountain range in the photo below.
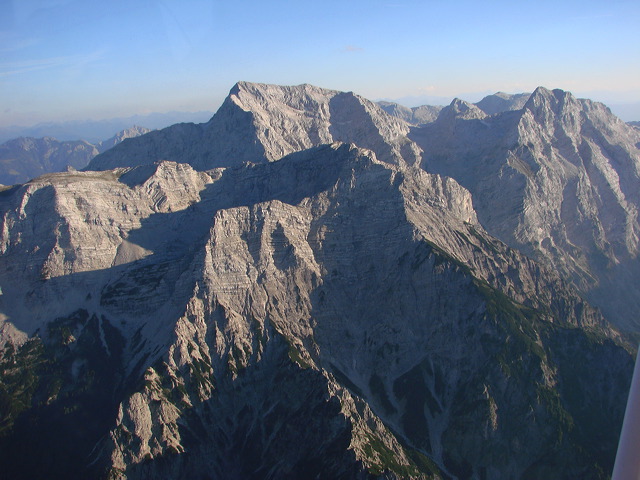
(308, 286)
(24, 158)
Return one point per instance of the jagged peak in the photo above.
(545, 103)
(461, 109)
(555, 99)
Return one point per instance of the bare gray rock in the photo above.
(557, 180)
(259, 123)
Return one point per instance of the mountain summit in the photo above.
(258, 123)
(296, 289)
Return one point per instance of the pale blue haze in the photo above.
(71, 59)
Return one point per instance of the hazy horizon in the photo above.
(64, 60)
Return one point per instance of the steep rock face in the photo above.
(558, 180)
(258, 123)
(63, 225)
(328, 314)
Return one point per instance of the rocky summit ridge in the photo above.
(296, 289)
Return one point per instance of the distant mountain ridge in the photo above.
(422, 115)
(24, 158)
(415, 115)
(94, 131)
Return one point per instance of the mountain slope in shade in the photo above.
(121, 136)
(326, 315)
(502, 102)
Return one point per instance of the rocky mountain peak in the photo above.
(460, 109)
(132, 132)
(263, 123)
(546, 105)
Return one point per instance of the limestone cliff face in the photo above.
(325, 315)
(558, 180)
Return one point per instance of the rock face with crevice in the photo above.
(336, 312)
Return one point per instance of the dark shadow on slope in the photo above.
(249, 429)
(148, 283)
(350, 122)
(387, 299)
(175, 143)
(59, 396)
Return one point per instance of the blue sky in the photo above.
(76, 59)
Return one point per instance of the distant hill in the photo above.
(24, 158)
(502, 102)
(415, 116)
(94, 131)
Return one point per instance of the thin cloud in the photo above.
(25, 66)
(352, 48)
(8, 45)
